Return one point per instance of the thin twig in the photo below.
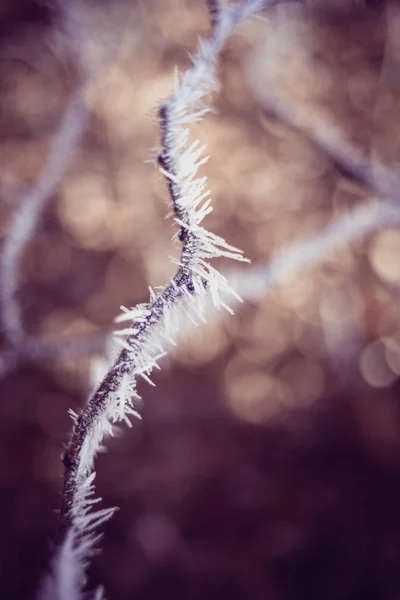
(257, 281)
(29, 213)
(179, 162)
(378, 178)
(327, 138)
(30, 209)
(84, 344)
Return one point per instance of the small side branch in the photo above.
(255, 283)
(332, 142)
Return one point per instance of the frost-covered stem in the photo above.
(260, 280)
(84, 426)
(84, 344)
(328, 138)
(179, 162)
(29, 212)
(32, 205)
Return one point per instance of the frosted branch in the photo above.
(30, 210)
(259, 280)
(328, 138)
(29, 213)
(153, 322)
